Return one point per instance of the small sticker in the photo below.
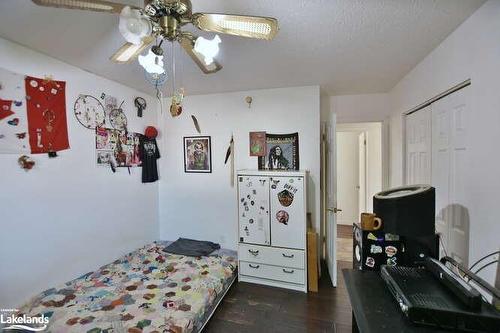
(282, 217)
(13, 122)
(41, 88)
(391, 261)
(391, 251)
(285, 198)
(375, 249)
(53, 91)
(372, 237)
(33, 83)
(370, 262)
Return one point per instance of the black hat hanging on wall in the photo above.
(140, 104)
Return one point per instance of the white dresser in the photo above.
(272, 228)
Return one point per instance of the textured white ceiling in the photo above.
(346, 46)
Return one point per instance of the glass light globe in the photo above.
(208, 48)
(152, 63)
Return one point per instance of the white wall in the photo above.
(204, 206)
(347, 177)
(67, 217)
(472, 51)
(360, 108)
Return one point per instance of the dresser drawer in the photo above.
(272, 256)
(277, 273)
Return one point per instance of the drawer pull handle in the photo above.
(254, 252)
(288, 256)
(288, 271)
(254, 266)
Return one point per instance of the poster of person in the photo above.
(123, 145)
(197, 154)
(282, 152)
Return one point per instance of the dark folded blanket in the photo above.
(191, 247)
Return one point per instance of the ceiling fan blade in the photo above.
(238, 25)
(129, 51)
(93, 5)
(187, 43)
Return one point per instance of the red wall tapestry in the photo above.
(46, 108)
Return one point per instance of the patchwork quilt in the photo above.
(148, 290)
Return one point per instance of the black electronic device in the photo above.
(407, 210)
(425, 297)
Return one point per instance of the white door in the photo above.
(331, 200)
(418, 147)
(361, 173)
(253, 210)
(347, 177)
(449, 158)
(287, 212)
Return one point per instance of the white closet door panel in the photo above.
(449, 121)
(253, 208)
(440, 170)
(287, 212)
(459, 221)
(418, 147)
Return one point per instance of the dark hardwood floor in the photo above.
(260, 309)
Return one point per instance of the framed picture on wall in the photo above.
(282, 152)
(197, 154)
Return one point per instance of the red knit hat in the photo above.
(151, 132)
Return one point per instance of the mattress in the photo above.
(148, 290)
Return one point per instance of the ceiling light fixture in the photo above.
(207, 48)
(153, 61)
(133, 25)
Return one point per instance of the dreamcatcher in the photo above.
(118, 119)
(89, 112)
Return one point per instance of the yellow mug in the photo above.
(370, 221)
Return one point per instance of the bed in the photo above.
(148, 290)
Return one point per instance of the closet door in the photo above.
(448, 174)
(418, 147)
(287, 212)
(253, 209)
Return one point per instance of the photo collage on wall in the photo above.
(119, 148)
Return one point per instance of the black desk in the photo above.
(373, 307)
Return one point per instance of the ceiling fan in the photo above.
(163, 20)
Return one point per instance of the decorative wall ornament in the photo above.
(196, 124)
(258, 145)
(282, 152)
(118, 119)
(197, 154)
(89, 112)
(13, 115)
(249, 100)
(140, 104)
(25, 162)
(46, 109)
